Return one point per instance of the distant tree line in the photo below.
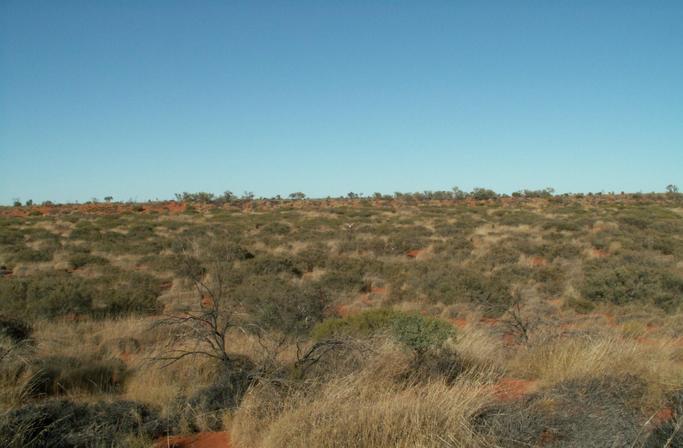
(478, 193)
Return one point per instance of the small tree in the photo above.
(203, 331)
(108, 199)
(297, 196)
(458, 193)
(672, 189)
(483, 194)
(228, 196)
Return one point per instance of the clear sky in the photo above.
(141, 99)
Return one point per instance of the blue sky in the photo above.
(142, 99)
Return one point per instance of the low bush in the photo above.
(23, 254)
(14, 329)
(278, 305)
(47, 295)
(58, 375)
(79, 260)
(448, 284)
(273, 265)
(66, 424)
(632, 280)
(51, 295)
(594, 412)
(420, 333)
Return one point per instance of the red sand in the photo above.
(511, 388)
(663, 415)
(538, 261)
(599, 253)
(459, 322)
(200, 440)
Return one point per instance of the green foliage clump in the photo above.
(420, 333)
(49, 295)
(23, 254)
(273, 265)
(279, 305)
(447, 283)
(628, 280)
(78, 260)
(58, 294)
(276, 228)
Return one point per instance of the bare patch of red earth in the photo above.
(599, 253)
(413, 253)
(459, 322)
(538, 261)
(508, 389)
(664, 415)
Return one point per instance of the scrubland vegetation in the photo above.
(431, 320)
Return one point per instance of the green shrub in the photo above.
(313, 256)
(23, 254)
(124, 294)
(79, 260)
(359, 325)
(47, 295)
(273, 265)
(631, 280)
(420, 333)
(343, 278)
(278, 305)
(276, 228)
(51, 295)
(448, 284)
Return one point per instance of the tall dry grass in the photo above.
(367, 408)
(568, 359)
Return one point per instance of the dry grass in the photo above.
(365, 409)
(599, 357)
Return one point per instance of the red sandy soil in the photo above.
(200, 440)
(125, 357)
(413, 253)
(663, 415)
(538, 261)
(206, 302)
(599, 253)
(547, 436)
(510, 339)
(508, 389)
(343, 311)
(378, 291)
(459, 322)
